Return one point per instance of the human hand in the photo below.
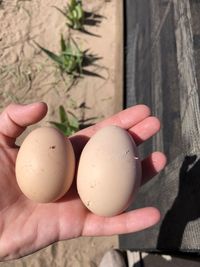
(25, 226)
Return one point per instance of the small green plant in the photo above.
(71, 59)
(68, 124)
(74, 14)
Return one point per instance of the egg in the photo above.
(45, 165)
(109, 171)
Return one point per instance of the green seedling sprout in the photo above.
(74, 14)
(71, 59)
(68, 124)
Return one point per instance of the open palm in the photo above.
(26, 226)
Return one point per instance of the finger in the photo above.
(152, 165)
(145, 129)
(127, 222)
(140, 132)
(125, 119)
(15, 118)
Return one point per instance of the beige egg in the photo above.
(45, 165)
(109, 171)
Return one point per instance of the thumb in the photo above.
(15, 118)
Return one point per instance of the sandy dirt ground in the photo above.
(27, 75)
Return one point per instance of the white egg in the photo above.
(45, 165)
(109, 171)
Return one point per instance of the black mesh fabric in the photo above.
(162, 67)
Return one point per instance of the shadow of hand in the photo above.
(186, 206)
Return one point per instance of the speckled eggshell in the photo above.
(109, 171)
(45, 165)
